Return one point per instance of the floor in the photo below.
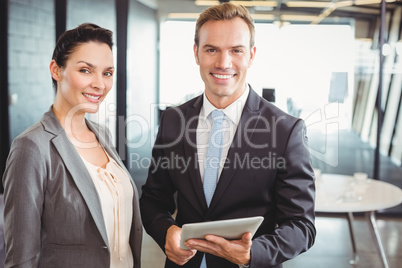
(333, 246)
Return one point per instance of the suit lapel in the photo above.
(240, 144)
(190, 150)
(77, 169)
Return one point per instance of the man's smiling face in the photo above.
(224, 56)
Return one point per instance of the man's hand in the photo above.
(235, 251)
(172, 247)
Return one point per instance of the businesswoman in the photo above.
(69, 201)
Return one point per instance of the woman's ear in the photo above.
(55, 70)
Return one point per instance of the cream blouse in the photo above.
(116, 195)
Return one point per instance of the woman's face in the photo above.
(86, 79)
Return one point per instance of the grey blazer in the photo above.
(53, 215)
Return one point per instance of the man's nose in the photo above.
(224, 61)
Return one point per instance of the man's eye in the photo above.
(238, 51)
(211, 50)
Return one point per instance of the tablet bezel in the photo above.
(229, 229)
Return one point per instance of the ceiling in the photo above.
(312, 11)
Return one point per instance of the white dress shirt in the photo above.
(232, 117)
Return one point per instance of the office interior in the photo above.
(335, 64)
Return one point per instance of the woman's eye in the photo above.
(85, 71)
(108, 74)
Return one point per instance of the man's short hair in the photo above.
(225, 11)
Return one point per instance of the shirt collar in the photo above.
(233, 111)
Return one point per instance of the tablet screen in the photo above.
(228, 229)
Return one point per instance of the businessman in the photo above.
(245, 158)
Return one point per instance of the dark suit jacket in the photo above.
(267, 173)
(53, 215)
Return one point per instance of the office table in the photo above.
(344, 194)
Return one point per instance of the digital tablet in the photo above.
(228, 229)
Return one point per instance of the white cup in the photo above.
(317, 173)
(360, 177)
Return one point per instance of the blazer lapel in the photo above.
(77, 169)
(190, 150)
(240, 144)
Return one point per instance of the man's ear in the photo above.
(195, 48)
(55, 70)
(252, 56)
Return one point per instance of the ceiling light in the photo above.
(261, 8)
(297, 17)
(317, 4)
(183, 15)
(322, 4)
(368, 2)
(206, 3)
(263, 16)
(243, 3)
